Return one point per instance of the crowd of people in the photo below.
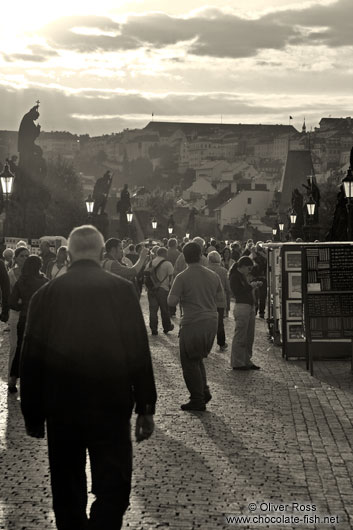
(79, 344)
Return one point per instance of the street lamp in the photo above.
(281, 228)
(187, 235)
(89, 205)
(274, 231)
(170, 230)
(7, 178)
(293, 217)
(348, 191)
(129, 215)
(154, 226)
(311, 205)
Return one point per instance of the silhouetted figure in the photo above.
(100, 193)
(339, 226)
(190, 227)
(122, 206)
(171, 222)
(31, 155)
(31, 196)
(125, 203)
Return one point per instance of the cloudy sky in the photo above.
(98, 66)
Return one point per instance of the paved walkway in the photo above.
(277, 438)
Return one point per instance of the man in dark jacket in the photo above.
(85, 364)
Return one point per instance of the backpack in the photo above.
(151, 280)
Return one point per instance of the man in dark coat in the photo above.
(85, 364)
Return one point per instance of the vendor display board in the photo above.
(328, 298)
(293, 338)
(274, 292)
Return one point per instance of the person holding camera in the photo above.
(244, 314)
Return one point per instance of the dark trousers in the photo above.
(157, 299)
(261, 295)
(221, 338)
(15, 367)
(110, 453)
(195, 342)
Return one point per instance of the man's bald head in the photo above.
(85, 242)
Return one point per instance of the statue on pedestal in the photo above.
(339, 228)
(31, 155)
(122, 206)
(31, 197)
(101, 192)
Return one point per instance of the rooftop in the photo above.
(166, 128)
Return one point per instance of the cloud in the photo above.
(39, 54)
(24, 57)
(42, 50)
(209, 32)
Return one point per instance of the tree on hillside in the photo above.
(159, 203)
(328, 199)
(66, 208)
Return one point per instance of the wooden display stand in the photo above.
(274, 292)
(327, 286)
(293, 338)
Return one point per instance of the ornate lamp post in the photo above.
(348, 191)
(89, 205)
(293, 217)
(311, 207)
(274, 233)
(187, 235)
(281, 228)
(7, 179)
(129, 216)
(170, 230)
(154, 226)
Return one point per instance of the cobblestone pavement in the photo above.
(271, 436)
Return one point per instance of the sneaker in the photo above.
(223, 348)
(192, 406)
(154, 332)
(241, 367)
(170, 329)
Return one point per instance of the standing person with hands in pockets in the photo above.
(244, 314)
(84, 368)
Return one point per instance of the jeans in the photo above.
(195, 342)
(221, 338)
(110, 453)
(243, 340)
(157, 299)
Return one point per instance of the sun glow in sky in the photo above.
(99, 67)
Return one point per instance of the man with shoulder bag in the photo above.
(158, 277)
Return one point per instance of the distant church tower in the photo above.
(304, 127)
